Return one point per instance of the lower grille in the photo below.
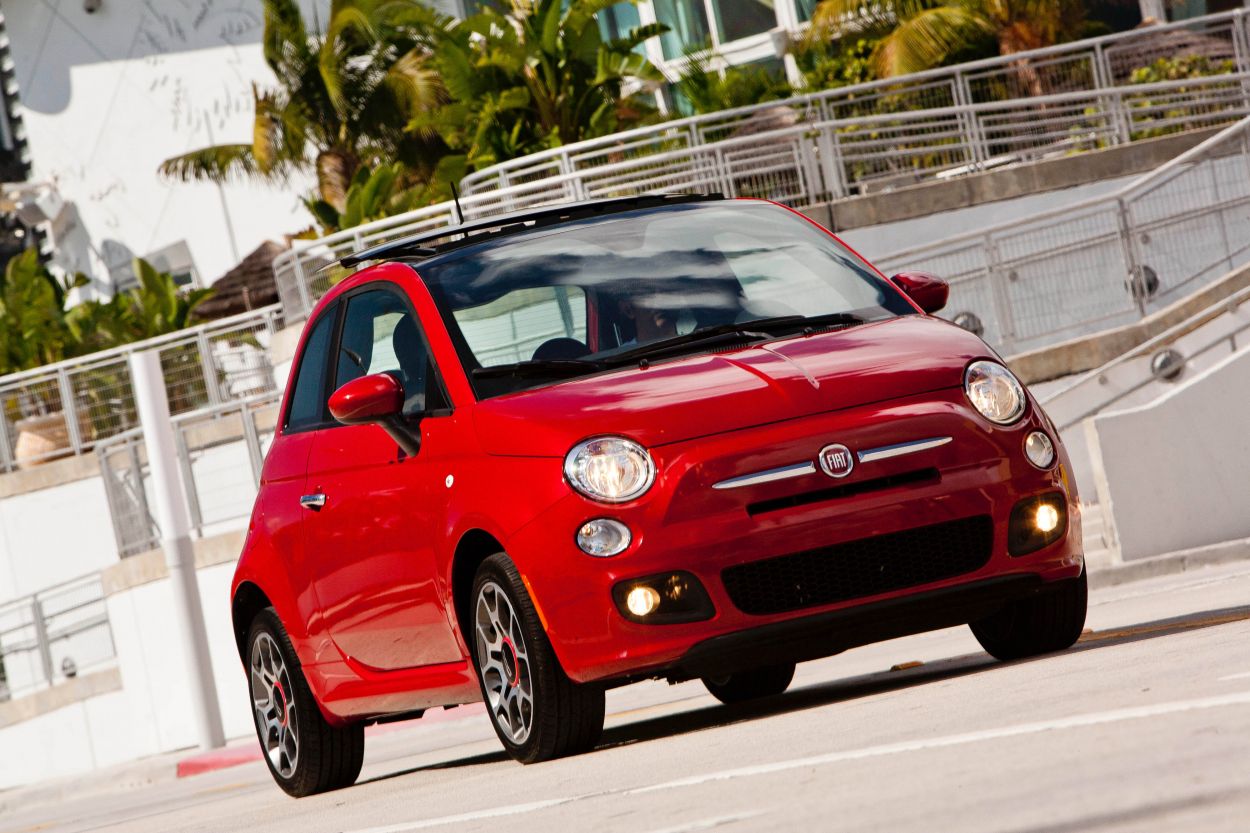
(861, 568)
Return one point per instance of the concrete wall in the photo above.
(107, 96)
(1185, 456)
(140, 705)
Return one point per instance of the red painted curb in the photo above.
(245, 753)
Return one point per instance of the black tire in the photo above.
(750, 685)
(1050, 621)
(565, 718)
(327, 757)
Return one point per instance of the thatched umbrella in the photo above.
(248, 286)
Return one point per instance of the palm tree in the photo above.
(920, 34)
(534, 75)
(343, 98)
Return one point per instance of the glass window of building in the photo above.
(616, 22)
(805, 9)
(737, 19)
(687, 27)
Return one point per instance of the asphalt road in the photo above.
(1145, 725)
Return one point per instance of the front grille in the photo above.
(861, 568)
(859, 487)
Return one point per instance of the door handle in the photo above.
(312, 501)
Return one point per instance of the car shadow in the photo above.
(846, 689)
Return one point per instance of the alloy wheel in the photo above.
(274, 705)
(504, 663)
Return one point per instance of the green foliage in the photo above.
(373, 195)
(37, 329)
(915, 35)
(708, 90)
(343, 97)
(826, 64)
(1180, 68)
(533, 75)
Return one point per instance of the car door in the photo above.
(370, 541)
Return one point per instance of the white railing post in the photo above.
(68, 409)
(42, 645)
(255, 458)
(301, 284)
(208, 367)
(1128, 248)
(172, 518)
(6, 450)
(1000, 296)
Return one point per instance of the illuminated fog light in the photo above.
(1039, 449)
(603, 537)
(642, 600)
(1047, 518)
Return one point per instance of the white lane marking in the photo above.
(1094, 719)
(708, 824)
(1038, 727)
(1242, 676)
(493, 813)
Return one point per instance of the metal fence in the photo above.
(220, 453)
(1084, 66)
(53, 635)
(1104, 261)
(69, 407)
(811, 163)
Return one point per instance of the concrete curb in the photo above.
(1172, 563)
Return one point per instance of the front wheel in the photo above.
(1049, 621)
(537, 711)
(751, 685)
(305, 754)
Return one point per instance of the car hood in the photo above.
(713, 393)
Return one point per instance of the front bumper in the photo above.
(684, 524)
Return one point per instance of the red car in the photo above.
(530, 458)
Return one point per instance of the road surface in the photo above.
(1145, 725)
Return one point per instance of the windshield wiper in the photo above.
(540, 368)
(761, 328)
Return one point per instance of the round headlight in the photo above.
(994, 392)
(609, 469)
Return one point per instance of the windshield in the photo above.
(549, 304)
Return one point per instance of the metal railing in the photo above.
(1216, 332)
(220, 452)
(69, 407)
(1101, 262)
(53, 635)
(810, 163)
(1086, 66)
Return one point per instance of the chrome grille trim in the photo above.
(768, 476)
(885, 452)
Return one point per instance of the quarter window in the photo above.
(308, 400)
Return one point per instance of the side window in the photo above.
(380, 335)
(308, 400)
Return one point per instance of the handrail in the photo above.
(188, 333)
(806, 99)
(1159, 175)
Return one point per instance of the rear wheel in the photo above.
(1049, 621)
(305, 754)
(751, 685)
(537, 711)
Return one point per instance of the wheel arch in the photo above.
(474, 547)
(248, 601)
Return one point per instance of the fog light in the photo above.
(1039, 449)
(663, 599)
(603, 537)
(642, 600)
(1037, 522)
(1047, 518)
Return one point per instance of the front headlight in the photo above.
(609, 469)
(994, 392)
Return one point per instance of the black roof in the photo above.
(502, 224)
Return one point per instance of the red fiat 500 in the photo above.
(527, 459)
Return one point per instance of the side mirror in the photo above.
(377, 399)
(928, 291)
